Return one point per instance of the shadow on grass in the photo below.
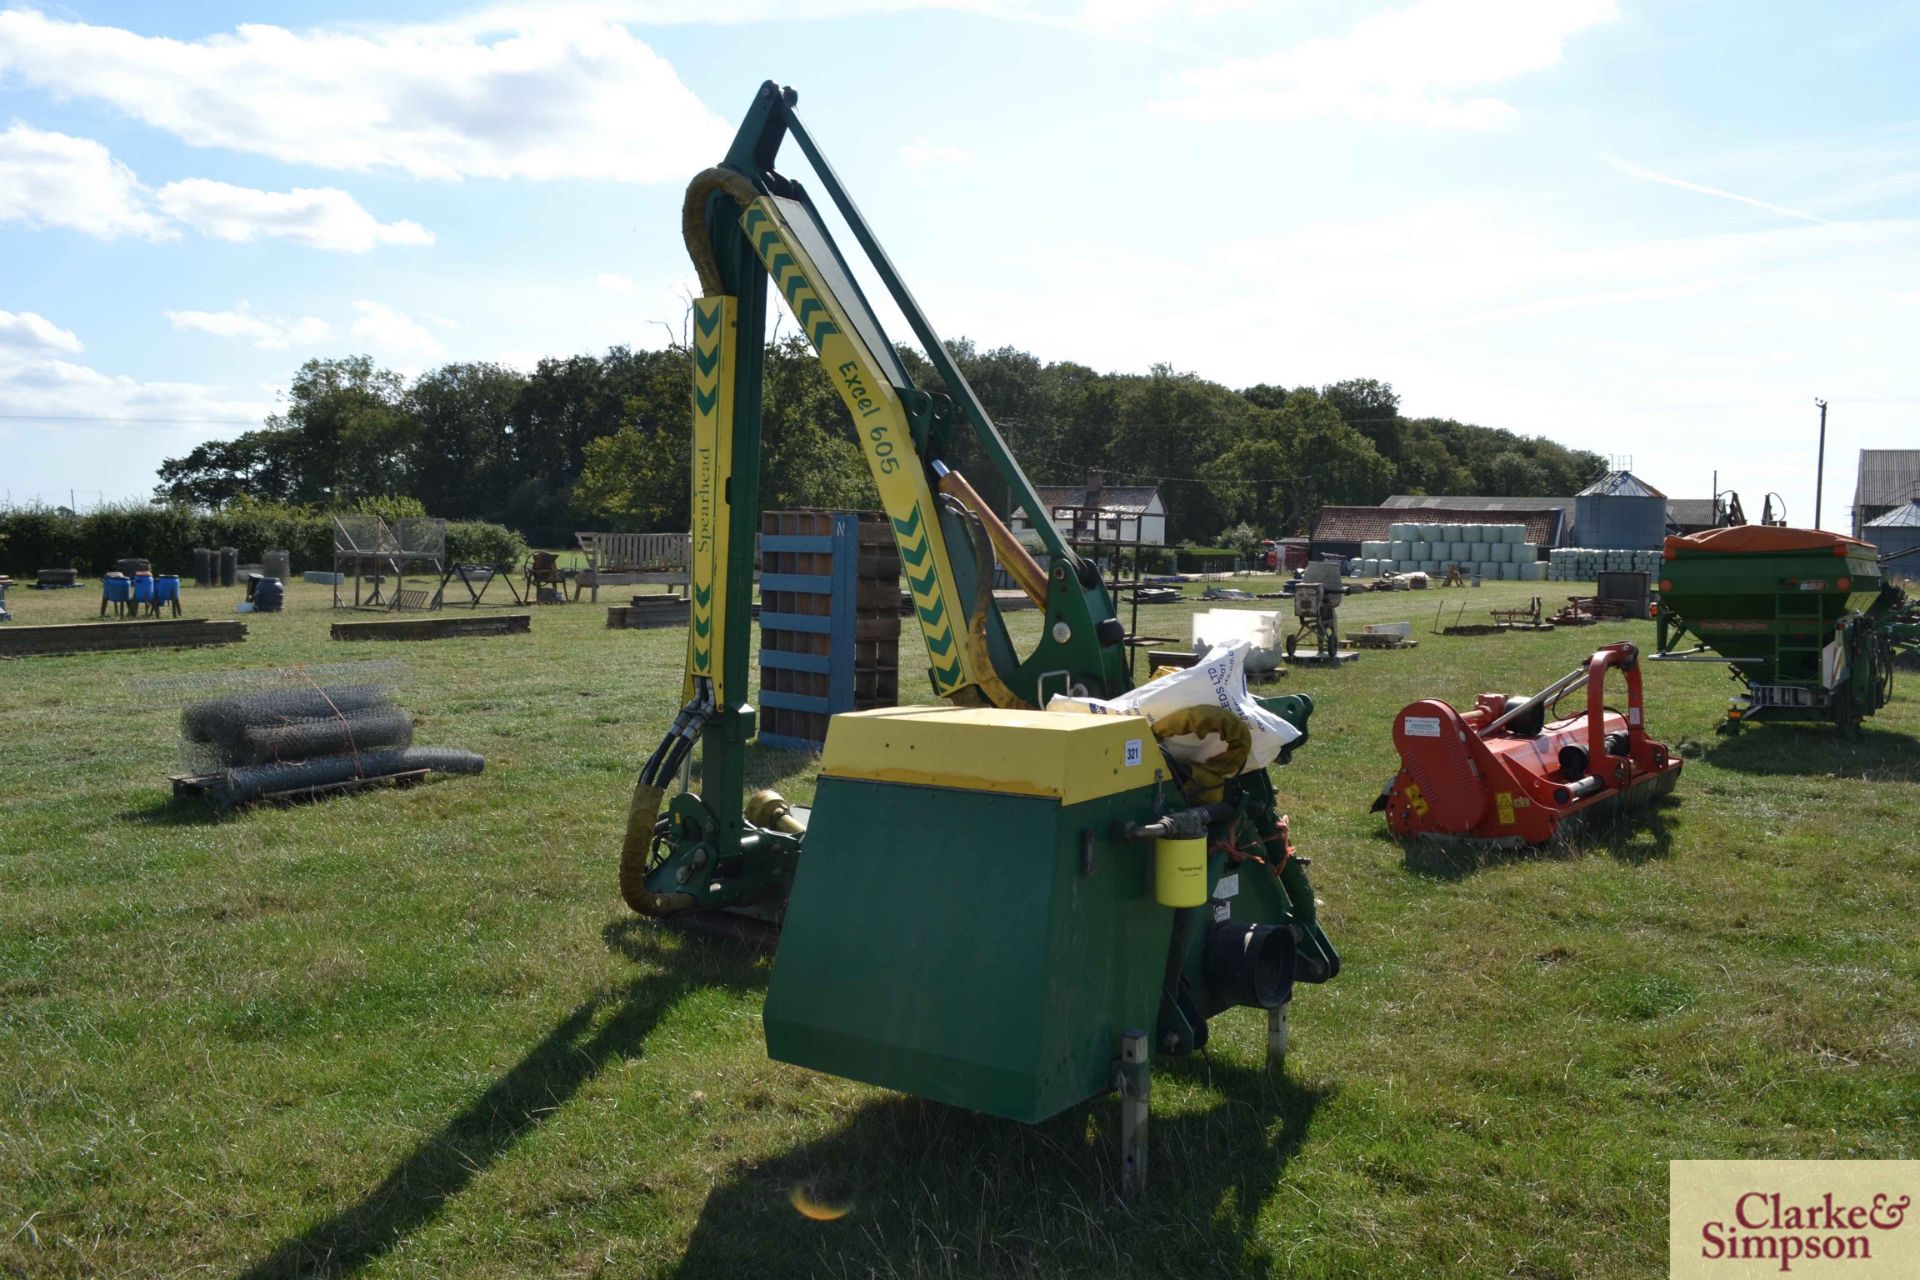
(606, 1028)
(177, 811)
(1813, 750)
(1631, 835)
(928, 1189)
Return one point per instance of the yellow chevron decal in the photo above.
(881, 420)
(715, 328)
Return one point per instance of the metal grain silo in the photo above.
(1895, 532)
(1620, 512)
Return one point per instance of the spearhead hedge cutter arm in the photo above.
(746, 223)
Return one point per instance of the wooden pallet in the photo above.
(95, 637)
(1380, 640)
(203, 786)
(649, 611)
(436, 628)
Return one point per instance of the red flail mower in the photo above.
(1502, 773)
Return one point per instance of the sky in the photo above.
(1654, 230)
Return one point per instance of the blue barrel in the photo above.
(166, 589)
(268, 595)
(143, 588)
(116, 589)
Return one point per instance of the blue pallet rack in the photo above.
(829, 622)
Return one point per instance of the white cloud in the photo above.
(266, 332)
(29, 331)
(324, 217)
(1407, 66)
(391, 332)
(567, 94)
(920, 153)
(53, 180)
(616, 282)
(62, 395)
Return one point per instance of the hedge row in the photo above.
(34, 538)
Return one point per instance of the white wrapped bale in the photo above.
(1502, 552)
(1477, 551)
(1423, 550)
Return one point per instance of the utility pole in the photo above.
(1820, 467)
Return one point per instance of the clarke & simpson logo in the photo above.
(1810, 1218)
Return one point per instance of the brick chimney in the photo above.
(1096, 480)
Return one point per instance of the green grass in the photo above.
(416, 1033)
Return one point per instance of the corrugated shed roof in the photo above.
(1888, 477)
(1620, 484)
(1693, 513)
(1373, 524)
(1130, 499)
(1905, 516)
(1460, 502)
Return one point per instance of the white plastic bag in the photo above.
(1218, 679)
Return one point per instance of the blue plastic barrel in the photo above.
(268, 595)
(143, 588)
(116, 589)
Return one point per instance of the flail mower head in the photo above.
(1503, 774)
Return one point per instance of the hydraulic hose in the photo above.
(693, 221)
(643, 810)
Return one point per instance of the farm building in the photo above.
(1695, 515)
(1463, 509)
(1888, 478)
(1098, 511)
(1340, 530)
(1620, 512)
(1896, 533)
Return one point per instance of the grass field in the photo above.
(416, 1032)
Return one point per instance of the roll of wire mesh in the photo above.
(364, 730)
(252, 782)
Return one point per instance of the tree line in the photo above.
(604, 442)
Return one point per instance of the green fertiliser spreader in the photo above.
(1801, 615)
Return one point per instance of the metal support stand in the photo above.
(1277, 1036)
(1135, 1085)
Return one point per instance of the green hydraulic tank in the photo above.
(965, 926)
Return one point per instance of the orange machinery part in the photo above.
(1019, 564)
(1763, 537)
(1509, 789)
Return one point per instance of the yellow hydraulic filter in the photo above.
(1180, 872)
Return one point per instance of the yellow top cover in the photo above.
(1069, 758)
